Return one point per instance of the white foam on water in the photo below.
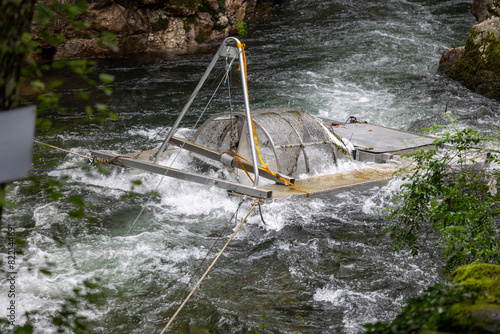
(47, 214)
(357, 306)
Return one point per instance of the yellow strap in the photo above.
(242, 47)
(239, 161)
(276, 175)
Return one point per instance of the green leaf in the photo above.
(101, 107)
(55, 84)
(26, 329)
(20, 242)
(82, 5)
(76, 213)
(89, 111)
(37, 84)
(44, 12)
(83, 95)
(90, 285)
(103, 169)
(71, 10)
(77, 200)
(46, 272)
(107, 90)
(80, 25)
(58, 64)
(106, 78)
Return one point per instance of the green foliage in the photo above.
(68, 317)
(481, 276)
(51, 14)
(494, 8)
(242, 28)
(161, 24)
(436, 309)
(262, 318)
(201, 37)
(446, 193)
(188, 21)
(189, 4)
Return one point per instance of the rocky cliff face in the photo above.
(477, 64)
(151, 25)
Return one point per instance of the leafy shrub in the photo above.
(451, 192)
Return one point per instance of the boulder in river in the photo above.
(477, 64)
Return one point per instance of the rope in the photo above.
(209, 268)
(97, 160)
(61, 149)
(206, 256)
(55, 169)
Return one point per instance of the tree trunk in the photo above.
(16, 20)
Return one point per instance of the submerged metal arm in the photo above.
(184, 175)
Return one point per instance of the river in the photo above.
(317, 266)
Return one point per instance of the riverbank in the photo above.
(146, 26)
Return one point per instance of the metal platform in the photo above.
(334, 184)
(375, 143)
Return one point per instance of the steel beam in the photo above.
(218, 156)
(184, 175)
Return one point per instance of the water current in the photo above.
(317, 266)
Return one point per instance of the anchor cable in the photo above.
(254, 204)
(206, 256)
(61, 149)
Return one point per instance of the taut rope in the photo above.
(254, 204)
(61, 149)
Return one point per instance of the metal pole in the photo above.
(248, 114)
(243, 72)
(188, 104)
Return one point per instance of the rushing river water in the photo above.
(317, 266)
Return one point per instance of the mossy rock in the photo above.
(494, 8)
(479, 66)
(470, 305)
(482, 276)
